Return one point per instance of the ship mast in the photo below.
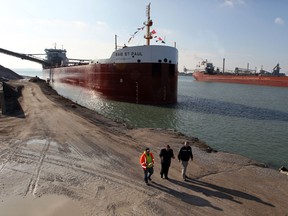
(148, 24)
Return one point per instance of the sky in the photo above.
(247, 33)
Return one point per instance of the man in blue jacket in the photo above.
(184, 155)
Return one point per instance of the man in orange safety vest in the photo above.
(147, 163)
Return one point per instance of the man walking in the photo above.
(184, 155)
(165, 154)
(147, 163)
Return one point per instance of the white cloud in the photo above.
(101, 23)
(232, 3)
(279, 21)
(80, 24)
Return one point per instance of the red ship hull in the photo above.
(144, 83)
(280, 81)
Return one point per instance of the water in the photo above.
(245, 119)
(32, 72)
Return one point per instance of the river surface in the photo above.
(244, 119)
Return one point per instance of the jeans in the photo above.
(184, 168)
(148, 173)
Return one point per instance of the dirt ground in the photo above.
(58, 158)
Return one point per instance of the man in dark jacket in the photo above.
(184, 155)
(165, 154)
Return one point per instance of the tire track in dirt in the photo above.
(77, 151)
(79, 166)
(32, 186)
(98, 172)
(10, 153)
(91, 170)
(34, 94)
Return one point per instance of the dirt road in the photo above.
(58, 158)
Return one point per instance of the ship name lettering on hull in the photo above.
(128, 54)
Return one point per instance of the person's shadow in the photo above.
(214, 190)
(185, 197)
(209, 190)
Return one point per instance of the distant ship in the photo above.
(207, 73)
(146, 74)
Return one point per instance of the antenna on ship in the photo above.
(115, 42)
(148, 24)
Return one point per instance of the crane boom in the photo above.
(25, 56)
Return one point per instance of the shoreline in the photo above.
(53, 95)
(86, 113)
(57, 147)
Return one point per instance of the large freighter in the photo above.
(145, 74)
(207, 74)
